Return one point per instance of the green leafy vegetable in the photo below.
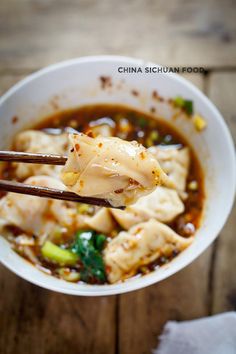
(56, 254)
(99, 241)
(88, 247)
(187, 105)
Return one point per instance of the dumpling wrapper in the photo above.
(111, 168)
(142, 244)
(163, 204)
(174, 162)
(101, 221)
(36, 141)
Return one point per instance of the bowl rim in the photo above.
(124, 287)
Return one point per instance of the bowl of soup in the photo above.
(80, 249)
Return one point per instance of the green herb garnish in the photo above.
(88, 246)
(99, 241)
(187, 105)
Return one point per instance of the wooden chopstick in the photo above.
(28, 157)
(44, 192)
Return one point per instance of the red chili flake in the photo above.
(72, 150)
(138, 231)
(90, 133)
(118, 191)
(108, 268)
(153, 109)
(55, 105)
(105, 82)
(14, 120)
(134, 93)
(100, 145)
(132, 181)
(54, 102)
(77, 147)
(155, 94)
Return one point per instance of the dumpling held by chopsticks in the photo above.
(111, 168)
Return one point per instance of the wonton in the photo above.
(142, 244)
(39, 142)
(175, 163)
(111, 168)
(163, 204)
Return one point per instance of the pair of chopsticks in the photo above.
(44, 192)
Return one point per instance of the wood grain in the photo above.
(180, 297)
(35, 33)
(8, 80)
(34, 320)
(222, 88)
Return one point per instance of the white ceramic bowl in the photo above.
(76, 82)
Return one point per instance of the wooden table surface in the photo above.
(34, 33)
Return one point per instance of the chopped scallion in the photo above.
(56, 254)
(187, 105)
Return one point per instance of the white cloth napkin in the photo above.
(209, 335)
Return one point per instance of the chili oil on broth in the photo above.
(129, 124)
(141, 127)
